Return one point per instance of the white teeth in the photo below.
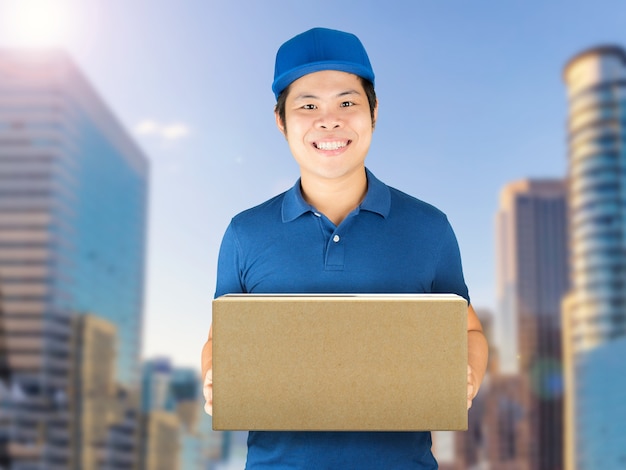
(331, 145)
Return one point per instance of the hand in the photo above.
(472, 389)
(207, 390)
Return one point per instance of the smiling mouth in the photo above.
(335, 145)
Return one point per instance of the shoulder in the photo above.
(266, 214)
(406, 206)
(405, 212)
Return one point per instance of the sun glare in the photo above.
(36, 23)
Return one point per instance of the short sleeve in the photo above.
(448, 275)
(228, 265)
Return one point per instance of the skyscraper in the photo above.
(73, 197)
(594, 312)
(173, 410)
(5, 380)
(532, 279)
(532, 271)
(161, 441)
(104, 421)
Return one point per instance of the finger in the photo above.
(470, 383)
(208, 397)
(470, 394)
(207, 391)
(208, 383)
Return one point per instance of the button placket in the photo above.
(335, 253)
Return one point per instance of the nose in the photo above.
(329, 120)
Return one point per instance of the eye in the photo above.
(309, 106)
(345, 104)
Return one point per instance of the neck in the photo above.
(335, 198)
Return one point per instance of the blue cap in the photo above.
(320, 49)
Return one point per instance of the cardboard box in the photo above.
(340, 362)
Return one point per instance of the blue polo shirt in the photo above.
(391, 243)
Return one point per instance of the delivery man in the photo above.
(338, 230)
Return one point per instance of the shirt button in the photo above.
(336, 238)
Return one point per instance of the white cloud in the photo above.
(174, 131)
(147, 127)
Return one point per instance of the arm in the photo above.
(449, 278)
(228, 281)
(477, 354)
(207, 372)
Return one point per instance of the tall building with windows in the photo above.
(73, 197)
(172, 400)
(104, 423)
(533, 277)
(5, 381)
(532, 271)
(594, 312)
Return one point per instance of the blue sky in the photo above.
(471, 98)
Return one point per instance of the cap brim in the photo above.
(284, 80)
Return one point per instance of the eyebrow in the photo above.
(308, 96)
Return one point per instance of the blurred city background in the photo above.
(132, 131)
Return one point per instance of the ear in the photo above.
(375, 116)
(280, 124)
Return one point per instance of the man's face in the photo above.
(328, 124)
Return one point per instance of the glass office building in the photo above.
(594, 311)
(73, 197)
(532, 279)
(531, 236)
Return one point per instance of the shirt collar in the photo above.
(377, 199)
